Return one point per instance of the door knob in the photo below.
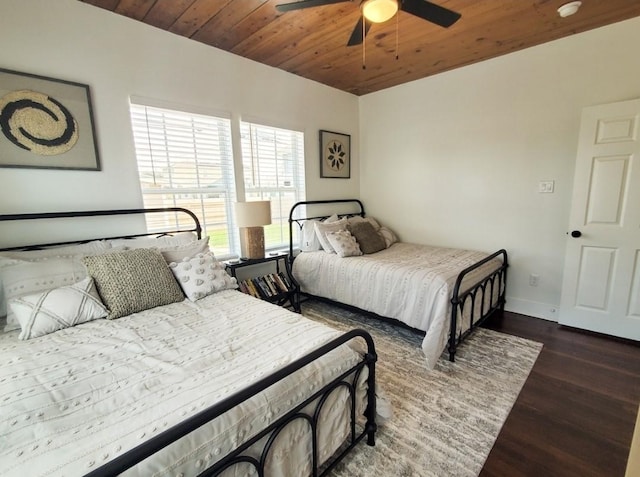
(576, 233)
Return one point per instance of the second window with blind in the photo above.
(273, 169)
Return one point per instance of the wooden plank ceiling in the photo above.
(312, 42)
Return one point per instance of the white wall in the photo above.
(461, 153)
(119, 57)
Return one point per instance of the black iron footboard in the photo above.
(490, 290)
(347, 380)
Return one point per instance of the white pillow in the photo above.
(177, 253)
(20, 278)
(71, 253)
(323, 227)
(308, 239)
(52, 310)
(89, 248)
(180, 238)
(344, 243)
(387, 234)
(202, 275)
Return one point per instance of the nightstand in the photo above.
(274, 287)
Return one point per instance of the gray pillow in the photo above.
(133, 281)
(369, 240)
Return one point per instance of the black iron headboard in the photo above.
(95, 213)
(300, 220)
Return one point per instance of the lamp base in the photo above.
(254, 242)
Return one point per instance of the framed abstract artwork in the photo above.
(335, 155)
(46, 123)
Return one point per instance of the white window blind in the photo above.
(185, 160)
(273, 166)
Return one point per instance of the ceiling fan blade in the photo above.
(431, 12)
(285, 7)
(356, 35)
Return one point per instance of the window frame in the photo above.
(227, 188)
(260, 192)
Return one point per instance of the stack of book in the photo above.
(266, 286)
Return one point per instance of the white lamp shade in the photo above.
(253, 214)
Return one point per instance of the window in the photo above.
(185, 160)
(273, 167)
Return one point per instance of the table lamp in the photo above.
(251, 217)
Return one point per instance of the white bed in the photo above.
(74, 399)
(408, 282)
(418, 285)
(80, 397)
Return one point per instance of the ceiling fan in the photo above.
(379, 11)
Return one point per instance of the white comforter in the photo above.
(408, 282)
(74, 399)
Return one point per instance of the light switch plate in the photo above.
(545, 187)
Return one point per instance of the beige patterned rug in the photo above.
(445, 421)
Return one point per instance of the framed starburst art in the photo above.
(335, 155)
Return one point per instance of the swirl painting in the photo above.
(335, 155)
(46, 123)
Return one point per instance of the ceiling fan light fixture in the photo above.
(379, 11)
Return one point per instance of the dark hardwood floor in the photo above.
(576, 413)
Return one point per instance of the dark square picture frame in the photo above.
(46, 123)
(335, 155)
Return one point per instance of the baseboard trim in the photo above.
(546, 311)
(633, 464)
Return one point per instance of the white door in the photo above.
(601, 284)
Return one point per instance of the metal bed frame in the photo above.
(491, 286)
(346, 380)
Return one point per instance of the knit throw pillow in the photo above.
(133, 281)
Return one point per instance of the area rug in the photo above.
(446, 420)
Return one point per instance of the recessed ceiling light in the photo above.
(569, 9)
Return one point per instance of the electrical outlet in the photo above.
(533, 280)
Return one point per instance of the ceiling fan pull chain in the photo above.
(397, 29)
(364, 44)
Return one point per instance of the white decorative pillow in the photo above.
(177, 253)
(308, 239)
(202, 275)
(52, 310)
(180, 238)
(387, 234)
(321, 231)
(344, 243)
(21, 278)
